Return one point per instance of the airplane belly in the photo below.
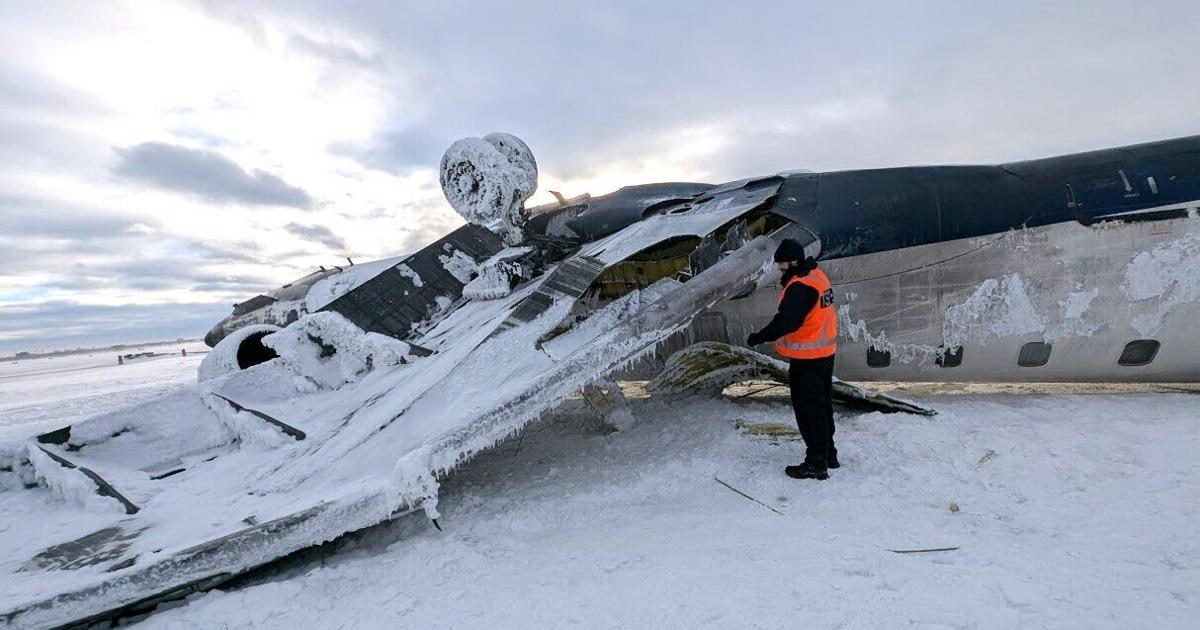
(1058, 303)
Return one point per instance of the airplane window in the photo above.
(878, 358)
(1139, 352)
(949, 357)
(1034, 354)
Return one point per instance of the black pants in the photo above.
(811, 381)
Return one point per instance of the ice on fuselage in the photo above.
(408, 272)
(1161, 279)
(997, 308)
(492, 283)
(459, 265)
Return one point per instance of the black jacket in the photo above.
(797, 301)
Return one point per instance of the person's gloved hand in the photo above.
(754, 339)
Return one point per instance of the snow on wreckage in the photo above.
(376, 391)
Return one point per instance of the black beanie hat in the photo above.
(790, 249)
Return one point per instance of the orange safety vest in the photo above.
(817, 336)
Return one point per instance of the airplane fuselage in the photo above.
(1078, 268)
(1082, 267)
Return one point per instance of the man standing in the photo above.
(805, 333)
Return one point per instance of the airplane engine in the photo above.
(239, 350)
(487, 180)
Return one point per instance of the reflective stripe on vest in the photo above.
(817, 336)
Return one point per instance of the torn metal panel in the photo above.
(712, 366)
(570, 279)
(601, 216)
(703, 216)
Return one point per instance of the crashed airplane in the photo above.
(340, 400)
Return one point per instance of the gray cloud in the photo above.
(88, 250)
(397, 151)
(64, 324)
(248, 285)
(155, 273)
(952, 81)
(25, 92)
(317, 234)
(333, 53)
(37, 217)
(242, 251)
(206, 174)
(436, 221)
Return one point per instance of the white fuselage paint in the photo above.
(1086, 291)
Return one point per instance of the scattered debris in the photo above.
(718, 480)
(752, 392)
(608, 404)
(776, 430)
(936, 549)
(712, 366)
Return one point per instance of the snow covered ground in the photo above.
(44, 394)
(1069, 511)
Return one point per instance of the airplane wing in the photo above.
(185, 492)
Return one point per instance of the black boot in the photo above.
(807, 470)
(831, 459)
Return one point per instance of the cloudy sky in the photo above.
(162, 160)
